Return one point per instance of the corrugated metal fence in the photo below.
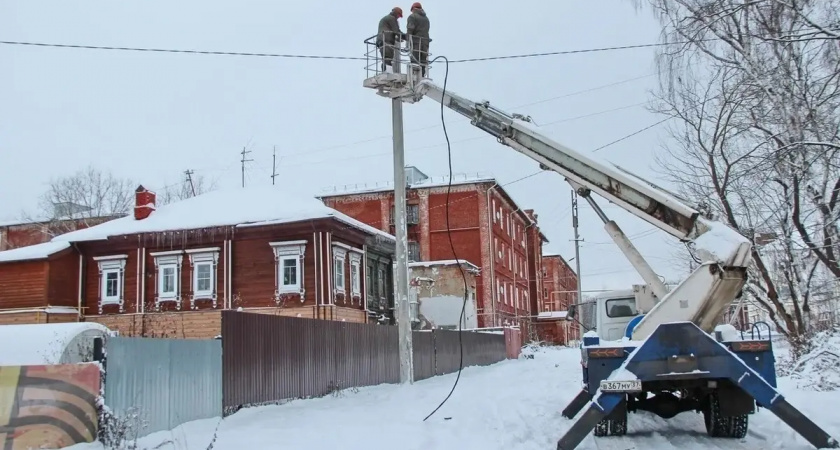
(271, 358)
(166, 382)
(438, 352)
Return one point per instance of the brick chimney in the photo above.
(144, 203)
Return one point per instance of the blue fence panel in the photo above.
(163, 383)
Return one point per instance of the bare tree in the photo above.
(191, 186)
(86, 198)
(755, 87)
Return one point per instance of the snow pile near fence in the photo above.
(819, 369)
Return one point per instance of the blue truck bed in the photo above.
(680, 368)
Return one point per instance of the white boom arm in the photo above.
(725, 253)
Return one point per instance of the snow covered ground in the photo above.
(510, 405)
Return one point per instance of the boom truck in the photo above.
(675, 360)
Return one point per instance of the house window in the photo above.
(339, 257)
(380, 285)
(204, 262)
(111, 280)
(168, 286)
(288, 278)
(355, 274)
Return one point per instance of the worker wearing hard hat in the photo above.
(418, 33)
(386, 37)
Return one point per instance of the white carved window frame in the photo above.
(204, 257)
(114, 264)
(166, 260)
(339, 260)
(289, 251)
(356, 274)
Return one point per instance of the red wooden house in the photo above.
(244, 248)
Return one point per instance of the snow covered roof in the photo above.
(256, 206)
(431, 182)
(446, 262)
(47, 343)
(552, 315)
(33, 252)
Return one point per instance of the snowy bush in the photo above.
(119, 432)
(818, 368)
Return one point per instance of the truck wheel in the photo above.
(610, 427)
(618, 427)
(602, 428)
(725, 427)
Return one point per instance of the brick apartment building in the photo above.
(22, 233)
(559, 284)
(559, 290)
(488, 230)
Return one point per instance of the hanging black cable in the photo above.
(451, 244)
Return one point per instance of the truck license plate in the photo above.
(621, 386)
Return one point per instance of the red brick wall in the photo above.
(560, 285)
(469, 219)
(15, 236)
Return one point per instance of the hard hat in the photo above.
(416, 5)
(397, 10)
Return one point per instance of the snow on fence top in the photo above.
(552, 315)
(446, 262)
(431, 182)
(226, 207)
(33, 252)
(54, 343)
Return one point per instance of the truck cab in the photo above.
(610, 313)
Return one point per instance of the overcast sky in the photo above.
(150, 116)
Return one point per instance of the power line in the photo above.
(332, 57)
(169, 50)
(632, 134)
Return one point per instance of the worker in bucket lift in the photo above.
(418, 33)
(387, 36)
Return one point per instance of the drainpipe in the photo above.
(80, 315)
(364, 286)
(142, 298)
(493, 292)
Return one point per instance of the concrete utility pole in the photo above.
(273, 165)
(243, 153)
(401, 275)
(189, 173)
(577, 243)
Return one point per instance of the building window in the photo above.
(412, 215)
(288, 274)
(413, 251)
(204, 262)
(355, 274)
(111, 281)
(339, 258)
(168, 283)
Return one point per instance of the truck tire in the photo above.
(725, 427)
(612, 427)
